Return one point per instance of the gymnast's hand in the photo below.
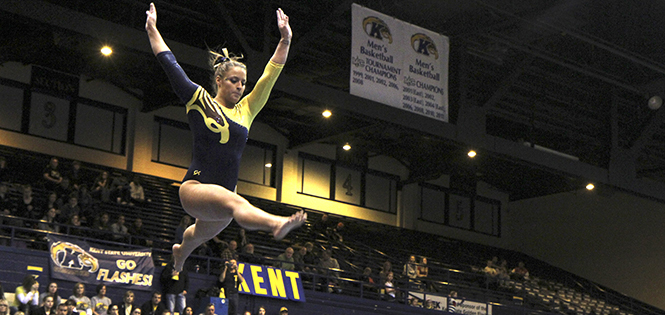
(151, 18)
(283, 25)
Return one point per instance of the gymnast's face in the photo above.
(231, 87)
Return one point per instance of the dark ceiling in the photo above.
(570, 77)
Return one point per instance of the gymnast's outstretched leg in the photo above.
(214, 207)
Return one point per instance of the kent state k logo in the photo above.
(377, 28)
(71, 256)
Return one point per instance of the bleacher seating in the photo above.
(453, 263)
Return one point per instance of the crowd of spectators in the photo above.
(66, 198)
(70, 198)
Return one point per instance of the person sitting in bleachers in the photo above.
(299, 258)
(75, 226)
(101, 188)
(520, 272)
(52, 201)
(83, 303)
(52, 291)
(285, 260)
(139, 235)
(120, 188)
(71, 208)
(75, 177)
(47, 308)
(136, 192)
(27, 207)
(231, 252)
(26, 296)
(6, 175)
(385, 269)
(51, 176)
(48, 222)
(328, 267)
(85, 202)
(120, 230)
(7, 206)
(389, 287)
(248, 255)
(102, 227)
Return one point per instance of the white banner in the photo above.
(399, 64)
(465, 307)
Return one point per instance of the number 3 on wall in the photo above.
(49, 115)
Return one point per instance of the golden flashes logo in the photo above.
(424, 45)
(377, 28)
(71, 256)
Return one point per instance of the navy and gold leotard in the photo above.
(219, 133)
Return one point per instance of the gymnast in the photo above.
(220, 125)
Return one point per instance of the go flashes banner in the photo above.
(77, 261)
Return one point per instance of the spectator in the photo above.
(5, 173)
(249, 256)
(175, 286)
(75, 176)
(285, 260)
(337, 233)
(61, 309)
(9, 206)
(51, 175)
(71, 308)
(136, 311)
(210, 309)
(127, 307)
(502, 270)
(329, 268)
(185, 222)
(310, 259)
(100, 302)
(410, 268)
(520, 272)
(120, 231)
(75, 226)
(113, 309)
(188, 311)
(367, 281)
(52, 201)
(85, 202)
(47, 308)
(27, 206)
(83, 303)
(389, 287)
(241, 238)
(387, 268)
(47, 223)
(490, 270)
(136, 192)
(321, 226)
(154, 305)
(102, 226)
(230, 252)
(299, 258)
(26, 297)
(71, 208)
(422, 269)
(261, 311)
(120, 190)
(139, 235)
(229, 280)
(452, 301)
(101, 188)
(52, 291)
(4, 307)
(283, 311)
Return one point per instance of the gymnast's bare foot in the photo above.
(178, 261)
(289, 224)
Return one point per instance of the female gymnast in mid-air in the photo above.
(220, 125)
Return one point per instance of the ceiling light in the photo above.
(268, 165)
(326, 113)
(471, 154)
(346, 147)
(106, 51)
(590, 186)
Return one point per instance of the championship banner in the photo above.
(399, 64)
(466, 307)
(77, 261)
(271, 282)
